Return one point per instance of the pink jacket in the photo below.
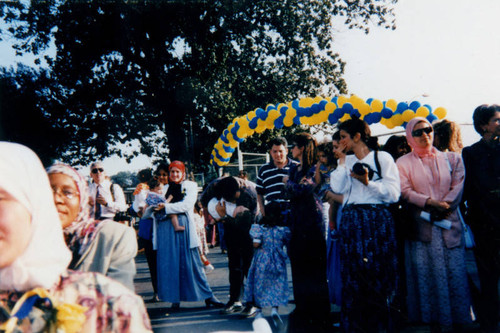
(416, 174)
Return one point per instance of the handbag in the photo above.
(468, 236)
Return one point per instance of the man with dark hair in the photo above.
(235, 191)
(482, 196)
(270, 175)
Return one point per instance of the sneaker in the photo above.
(250, 311)
(209, 268)
(232, 308)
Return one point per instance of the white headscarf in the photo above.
(46, 257)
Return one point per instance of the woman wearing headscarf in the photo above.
(432, 182)
(102, 246)
(181, 276)
(37, 292)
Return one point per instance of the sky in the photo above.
(445, 50)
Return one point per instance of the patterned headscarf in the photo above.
(421, 152)
(46, 257)
(80, 233)
(178, 165)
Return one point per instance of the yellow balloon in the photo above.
(305, 102)
(408, 115)
(364, 109)
(224, 154)
(397, 120)
(391, 104)
(342, 100)
(288, 121)
(317, 99)
(330, 107)
(251, 115)
(377, 105)
(440, 112)
(422, 112)
(345, 117)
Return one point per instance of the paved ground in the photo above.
(195, 317)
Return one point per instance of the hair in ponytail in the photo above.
(309, 155)
(356, 125)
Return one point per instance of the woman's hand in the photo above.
(221, 209)
(362, 178)
(441, 206)
(340, 153)
(159, 207)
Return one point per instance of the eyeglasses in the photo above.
(420, 132)
(65, 193)
(96, 170)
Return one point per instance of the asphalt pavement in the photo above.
(196, 317)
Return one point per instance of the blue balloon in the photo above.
(278, 123)
(253, 123)
(428, 107)
(228, 149)
(355, 113)
(220, 157)
(315, 108)
(414, 105)
(332, 118)
(283, 110)
(223, 137)
(369, 101)
(295, 104)
(347, 107)
(270, 107)
(323, 103)
(402, 107)
(296, 120)
(386, 113)
(431, 118)
(404, 124)
(368, 119)
(261, 114)
(335, 100)
(234, 132)
(338, 113)
(376, 116)
(308, 112)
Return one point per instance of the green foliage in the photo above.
(126, 70)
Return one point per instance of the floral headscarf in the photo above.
(421, 152)
(178, 165)
(82, 231)
(46, 256)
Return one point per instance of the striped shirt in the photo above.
(270, 181)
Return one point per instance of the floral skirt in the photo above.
(368, 267)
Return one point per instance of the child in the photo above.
(200, 231)
(267, 284)
(326, 164)
(155, 197)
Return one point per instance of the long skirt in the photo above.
(438, 290)
(180, 271)
(368, 267)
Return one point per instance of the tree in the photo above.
(126, 70)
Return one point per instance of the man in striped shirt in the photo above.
(270, 175)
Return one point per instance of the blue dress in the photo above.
(267, 283)
(180, 271)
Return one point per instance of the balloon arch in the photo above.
(314, 111)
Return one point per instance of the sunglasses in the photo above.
(420, 132)
(97, 170)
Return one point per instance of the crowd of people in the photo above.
(378, 233)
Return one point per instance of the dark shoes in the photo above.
(250, 311)
(213, 301)
(232, 307)
(175, 306)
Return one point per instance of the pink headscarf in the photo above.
(178, 165)
(421, 152)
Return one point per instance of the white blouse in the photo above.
(385, 189)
